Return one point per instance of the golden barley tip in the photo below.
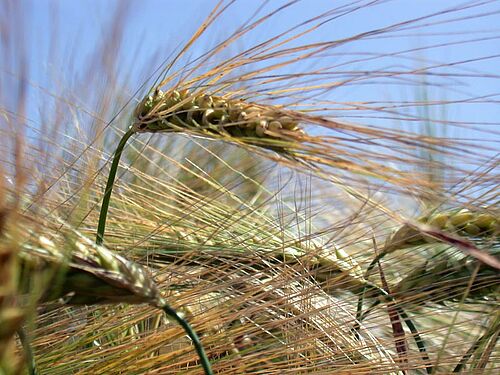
(177, 111)
(463, 222)
(439, 220)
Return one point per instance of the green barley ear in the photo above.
(447, 275)
(217, 116)
(482, 228)
(452, 276)
(463, 222)
(205, 115)
(91, 274)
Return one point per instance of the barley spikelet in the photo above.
(84, 273)
(180, 111)
(207, 115)
(474, 224)
(330, 267)
(450, 273)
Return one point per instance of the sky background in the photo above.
(61, 38)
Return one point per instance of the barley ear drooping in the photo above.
(90, 274)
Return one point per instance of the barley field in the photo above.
(237, 187)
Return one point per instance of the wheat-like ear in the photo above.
(88, 274)
(85, 273)
(464, 222)
(211, 115)
(479, 226)
(330, 268)
(206, 115)
(450, 276)
(447, 275)
(444, 276)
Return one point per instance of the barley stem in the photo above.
(359, 308)
(109, 187)
(28, 351)
(192, 335)
(100, 238)
(416, 336)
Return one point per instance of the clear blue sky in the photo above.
(62, 35)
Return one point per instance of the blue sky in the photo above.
(62, 35)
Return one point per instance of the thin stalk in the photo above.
(100, 238)
(359, 308)
(397, 328)
(416, 336)
(205, 363)
(409, 323)
(28, 351)
(109, 187)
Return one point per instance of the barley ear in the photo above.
(85, 273)
(479, 226)
(463, 222)
(216, 116)
(91, 274)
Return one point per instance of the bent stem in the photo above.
(409, 323)
(359, 308)
(205, 363)
(109, 187)
(416, 336)
(397, 328)
(100, 238)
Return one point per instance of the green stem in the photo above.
(192, 335)
(359, 308)
(100, 238)
(409, 323)
(28, 351)
(109, 187)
